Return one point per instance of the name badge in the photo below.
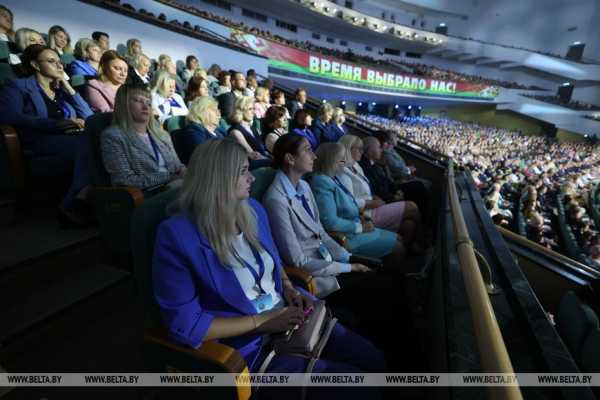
(325, 253)
(263, 303)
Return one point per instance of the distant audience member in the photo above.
(244, 131)
(59, 40)
(227, 100)
(202, 125)
(298, 102)
(25, 37)
(166, 102)
(321, 126)
(134, 48)
(302, 123)
(197, 87)
(191, 63)
(273, 126)
(139, 70)
(135, 150)
(102, 39)
(7, 34)
(87, 59)
(262, 102)
(100, 93)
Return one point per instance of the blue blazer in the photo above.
(192, 287)
(79, 67)
(333, 134)
(339, 212)
(186, 140)
(23, 106)
(308, 135)
(321, 130)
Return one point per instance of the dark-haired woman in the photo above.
(49, 113)
(274, 126)
(302, 122)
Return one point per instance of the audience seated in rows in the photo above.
(199, 254)
(100, 93)
(340, 212)
(135, 150)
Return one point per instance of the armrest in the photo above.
(118, 193)
(16, 164)
(227, 358)
(339, 237)
(301, 278)
(370, 262)
(211, 356)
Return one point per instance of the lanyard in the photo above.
(155, 148)
(305, 205)
(345, 190)
(174, 102)
(364, 178)
(261, 268)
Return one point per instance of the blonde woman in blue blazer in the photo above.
(339, 210)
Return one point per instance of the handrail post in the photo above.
(492, 350)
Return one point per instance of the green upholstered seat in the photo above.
(175, 123)
(264, 176)
(575, 321)
(67, 58)
(6, 72)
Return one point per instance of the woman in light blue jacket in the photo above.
(339, 210)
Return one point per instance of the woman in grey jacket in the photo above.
(135, 150)
(303, 242)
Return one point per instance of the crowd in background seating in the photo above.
(572, 104)
(517, 174)
(349, 55)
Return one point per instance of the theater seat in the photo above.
(574, 321)
(174, 123)
(590, 359)
(161, 354)
(67, 58)
(114, 205)
(6, 73)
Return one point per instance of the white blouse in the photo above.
(245, 277)
(164, 108)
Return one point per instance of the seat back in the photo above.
(590, 360)
(264, 176)
(6, 73)
(67, 58)
(4, 50)
(94, 126)
(78, 81)
(574, 321)
(175, 123)
(145, 221)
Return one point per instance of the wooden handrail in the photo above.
(510, 235)
(492, 350)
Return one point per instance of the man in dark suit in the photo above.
(298, 102)
(227, 100)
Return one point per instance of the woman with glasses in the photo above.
(243, 130)
(340, 212)
(135, 150)
(49, 113)
(217, 275)
(100, 93)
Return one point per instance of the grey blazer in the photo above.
(298, 236)
(129, 161)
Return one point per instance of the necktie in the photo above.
(305, 205)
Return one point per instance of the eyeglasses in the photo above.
(141, 100)
(51, 61)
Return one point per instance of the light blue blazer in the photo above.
(339, 212)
